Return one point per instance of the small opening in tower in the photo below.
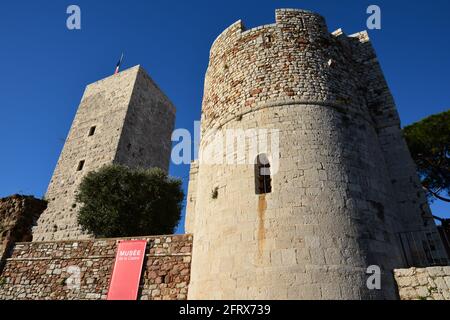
(301, 23)
(80, 165)
(268, 38)
(92, 131)
(263, 181)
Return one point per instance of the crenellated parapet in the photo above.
(287, 21)
(294, 60)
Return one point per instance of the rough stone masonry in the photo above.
(124, 119)
(48, 270)
(346, 194)
(424, 284)
(17, 215)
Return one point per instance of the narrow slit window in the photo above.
(80, 165)
(263, 180)
(301, 23)
(92, 131)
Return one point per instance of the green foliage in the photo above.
(429, 143)
(117, 201)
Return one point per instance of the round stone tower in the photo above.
(308, 217)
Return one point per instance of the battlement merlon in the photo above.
(293, 19)
(300, 19)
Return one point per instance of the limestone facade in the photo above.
(345, 194)
(423, 283)
(124, 119)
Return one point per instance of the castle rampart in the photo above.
(333, 208)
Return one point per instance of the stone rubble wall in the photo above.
(44, 270)
(17, 215)
(423, 284)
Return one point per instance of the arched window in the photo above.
(263, 181)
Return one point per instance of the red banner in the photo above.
(127, 270)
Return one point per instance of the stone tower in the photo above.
(344, 195)
(124, 119)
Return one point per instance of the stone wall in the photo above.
(319, 102)
(415, 225)
(47, 270)
(423, 284)
(124, 119)
(17, 215)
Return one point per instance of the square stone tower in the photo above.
(124, 119)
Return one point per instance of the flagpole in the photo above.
(118, 64)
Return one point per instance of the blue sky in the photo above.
(45, 66)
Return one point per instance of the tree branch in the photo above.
(437, 196)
